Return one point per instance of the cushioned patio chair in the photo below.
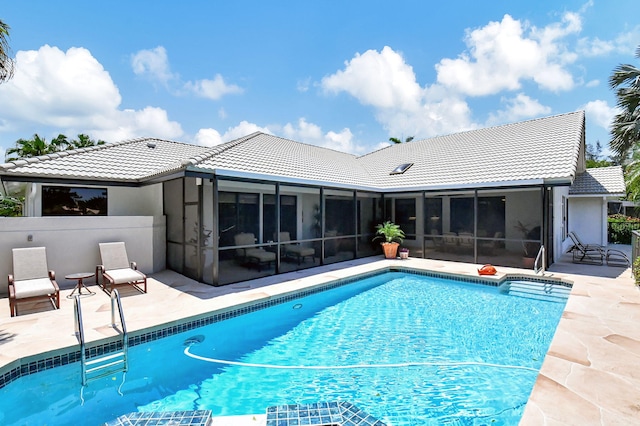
(591, 253)
(449, 241)
(116, 270)
(295, 251)
(252, 255)
(31, 279)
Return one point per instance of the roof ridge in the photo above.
(218, 149)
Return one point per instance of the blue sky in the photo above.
(345, 75)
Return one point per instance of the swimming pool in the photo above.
(408, 349)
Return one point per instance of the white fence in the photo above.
(72, 242)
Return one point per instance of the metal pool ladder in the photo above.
(95, 367)
(540, 264)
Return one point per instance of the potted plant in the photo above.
(392, 236)
(530, 244)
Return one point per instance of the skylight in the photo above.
(401, 169)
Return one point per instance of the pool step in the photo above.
(103, 366)
(536, 290)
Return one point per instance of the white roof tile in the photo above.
(600, 180)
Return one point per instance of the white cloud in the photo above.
(312, 134)
(381, 79)
(593, 83)
(624, 43)
(71, 92)
(212, 89)
(518, 108)
(600, 113)
(211, 137)
(386, 82)
(503, 54)
(153, 64)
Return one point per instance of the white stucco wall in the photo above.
(72, 242)
(121, 200)
(587, 218)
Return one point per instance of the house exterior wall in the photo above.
(587, 218)
(72, 242)
(121, 200)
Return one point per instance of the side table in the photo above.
(79, 276)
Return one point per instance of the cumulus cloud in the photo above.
(514, 50)
(211, 137)
(625, 43)
(517, 108)
(153, 64)
(212, 89)
(384, 81)
(71, 92)
(313, 134)
(599, 112)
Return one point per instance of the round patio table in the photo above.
(79, 276)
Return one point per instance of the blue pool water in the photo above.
(408, 349)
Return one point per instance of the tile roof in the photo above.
(128, 161)
(601, 180)
(269, 156)
(544, 150)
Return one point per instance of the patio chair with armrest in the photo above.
(296, 251)
(31, 279)
(117, 270)
(592, 254)
(252, 255)
(613, 257)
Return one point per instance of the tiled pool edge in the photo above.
(52, 359)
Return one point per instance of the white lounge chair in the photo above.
(117, 270)
(31, 279)
(252, 255)
(295, 251)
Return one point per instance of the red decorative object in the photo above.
(487, 270)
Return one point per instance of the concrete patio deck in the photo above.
(589, 376)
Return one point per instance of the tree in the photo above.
(30, 148)
(39, 146)
(396, 140)
(6, 62)
(594, 157)
(625, 128)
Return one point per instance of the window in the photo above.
(73, 201)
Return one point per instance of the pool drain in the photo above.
(193, 340)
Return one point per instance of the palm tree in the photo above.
(396, 140)
(84, 141)
(625, 128)
(30, 148)
(6, 62)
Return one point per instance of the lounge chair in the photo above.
(593, 254)
(295, 251)
(465, 241)
(252, 255)
(449, 241)
(32, 280)
(116, 270)
(613, 257)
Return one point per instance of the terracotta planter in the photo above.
(528, 262)
(390, 250)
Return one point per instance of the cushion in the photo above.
(301, 251)
(261, 255)
(34, 287)
(125, 275)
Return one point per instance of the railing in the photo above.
(541, 259)
(77, 311)
(104, 365)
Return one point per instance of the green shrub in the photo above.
(620, 228)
